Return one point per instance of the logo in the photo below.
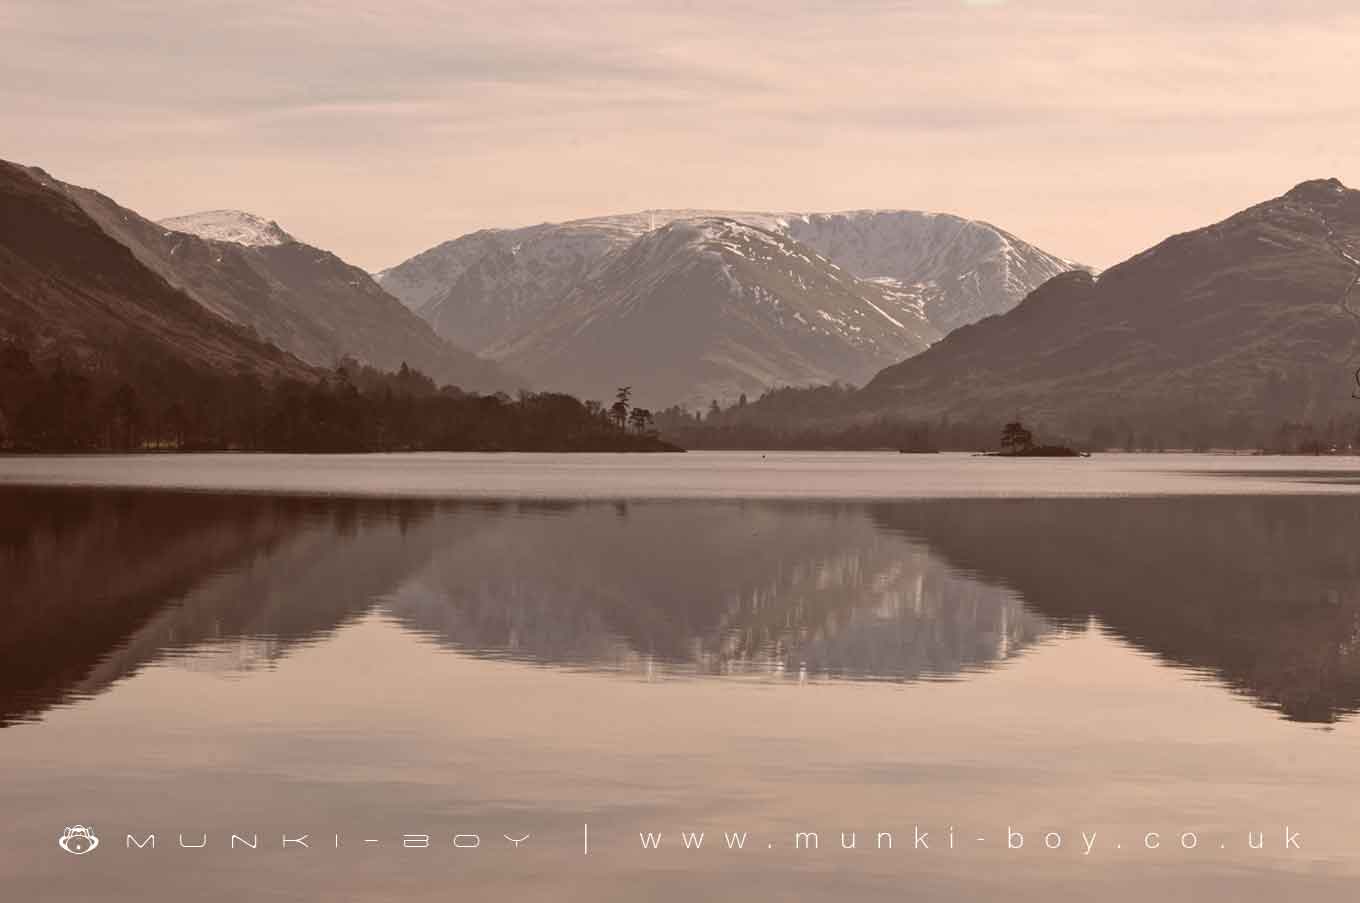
(78, 840)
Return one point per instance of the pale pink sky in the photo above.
(376, 130)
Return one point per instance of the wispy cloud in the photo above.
(381, 128)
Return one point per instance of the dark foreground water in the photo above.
(536, 699)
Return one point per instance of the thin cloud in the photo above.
(381, 129)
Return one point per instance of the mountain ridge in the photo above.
(72, 291)
(303, 299)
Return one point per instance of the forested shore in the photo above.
(55, 407)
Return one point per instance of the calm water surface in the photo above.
(375, 647)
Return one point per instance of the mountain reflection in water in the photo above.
(1261, 593)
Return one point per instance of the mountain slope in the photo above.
(962, 270)
(713, 308)
(304, 300)
(68, 289)
(1249, 320)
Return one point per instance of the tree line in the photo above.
(53, 406)
(813, 418)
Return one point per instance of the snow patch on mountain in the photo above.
(235, 226)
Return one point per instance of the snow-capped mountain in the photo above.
(494, 290)
(70, 291)
(302, 299)
(230, 225)
(548, 255)
(961, 270)
(514, 278)
(712, 308)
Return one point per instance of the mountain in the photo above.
(961, 270)
(537, 263)
(1209, 337)
(501, 291)
(69, 290)
(712, 308)
(304, 300)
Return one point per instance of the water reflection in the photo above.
(718, 588)
(97, 584)
(1262, 593)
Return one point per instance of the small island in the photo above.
(1018, 442)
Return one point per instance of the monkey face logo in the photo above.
(78, 840)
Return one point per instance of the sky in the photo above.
(1092, 129)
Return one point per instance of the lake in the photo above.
(725, 676)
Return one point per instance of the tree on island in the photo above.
(1015, 439)
(641, 419)
(619, 409)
